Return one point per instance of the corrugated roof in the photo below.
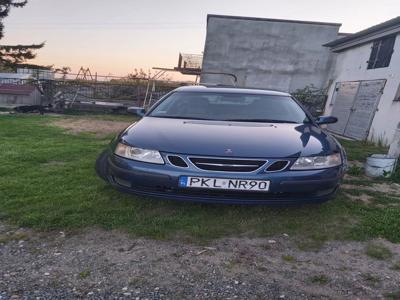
(16, 89)
(360, 36)
(271, 20)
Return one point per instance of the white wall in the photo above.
(351, 65)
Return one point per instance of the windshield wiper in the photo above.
(262, 121)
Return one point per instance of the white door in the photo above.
(364, 108)
(343, 99)
(355, 104)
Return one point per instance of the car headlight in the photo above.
(317, 162)
(145, 155)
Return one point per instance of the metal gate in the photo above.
(355, 104)
(343, 98)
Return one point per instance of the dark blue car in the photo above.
(226, 145)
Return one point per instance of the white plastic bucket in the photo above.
(379, 165)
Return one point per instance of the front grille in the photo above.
(227, 165)
(177, 161)
(278, 165)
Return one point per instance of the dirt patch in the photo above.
(363, 198)
(385, 188)
(358, 178)
(98, 127)
(346, 186)
(356, 163)
(108, 264)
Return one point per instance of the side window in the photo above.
(381, 53)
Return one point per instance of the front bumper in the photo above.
(286, 187)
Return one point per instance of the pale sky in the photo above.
(116, 36)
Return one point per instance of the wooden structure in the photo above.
(13, 95)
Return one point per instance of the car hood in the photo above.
(224, 138)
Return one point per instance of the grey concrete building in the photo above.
(268, 53)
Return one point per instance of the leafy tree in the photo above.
(64, 71)
(312, 98)
(12, 55)
(141, 74)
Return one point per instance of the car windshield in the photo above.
(230, 107)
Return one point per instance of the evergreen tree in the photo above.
(12, 55)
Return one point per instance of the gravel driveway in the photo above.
(98, 264)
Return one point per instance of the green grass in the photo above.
(378, 251)
(288, 258)
(314, 243)
(395, 295)
(5, 238)
(84, 274)
(396, 266)
(355, 171)
(361, 150)
(48, 182)
(371, 279)
(100, 116)
(319, 279)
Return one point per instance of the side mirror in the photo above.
(139, 111)
(326, 120)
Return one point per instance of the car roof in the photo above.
(224, 89)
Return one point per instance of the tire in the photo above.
(102, 165)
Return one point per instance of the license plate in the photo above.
(224, 183)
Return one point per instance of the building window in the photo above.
(381, 53)
(397, 96)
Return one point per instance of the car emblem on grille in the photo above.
(228, 151)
